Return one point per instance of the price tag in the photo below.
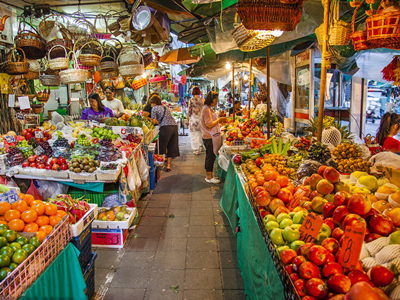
(39, 134)
(296, 199)
(11, 100)
(310, 228)
(24, 102)
(38, 150)
(352, 244)
(10, 139)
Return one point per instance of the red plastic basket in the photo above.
(137, 84)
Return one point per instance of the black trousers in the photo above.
(210, 156)
(169, 140)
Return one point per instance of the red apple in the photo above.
(314, 179)
(352, 219)
(339, 283)
(305, 248)
(372, 237)
(41, 166)
(317, 288)
(357, 267)
(357, 276)
(331, 174)
(33, 165)
(363, 290)
(272, 187)
(331, 268)
(337, 297)
(331, 245)
(325, 187)
(308, 298)
(48, 167)
(359, 204)
(263, 212)
(341, 198)
(288, 255)
(309, 270)
(330, 223)
(328, 209)
(380, 224)
(315, 194)
(297, 261)
(289, 269)
(371, 213)
(381, 276)
(300, 286)
(321, 170)
(31, 159)
(339, 214)
(337, 233)
(258, 189)
(330, 257)
(317, 255)
(294, 277)
(25, 164)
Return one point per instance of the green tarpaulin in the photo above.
(97, 187)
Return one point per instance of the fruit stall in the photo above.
(320, 218)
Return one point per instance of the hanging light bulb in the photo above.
(277, 33)
(236, 82)
(245, 77)
(228, 65)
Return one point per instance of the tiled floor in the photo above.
(183, 247)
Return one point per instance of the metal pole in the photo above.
(250, 73)
(233, 88)
(240, 89)
(268, 96)
(324, 64)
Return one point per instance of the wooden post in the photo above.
(250, 75)
(268, 97)
(233, 89)
(240, 89)
(324, 65)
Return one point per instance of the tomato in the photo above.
(50, 209)
(19, 256)
(4, 207)
(3, 228)
(33, 165)
(31, 227)
(41, 166)
(28, 248)
(42, 220)
(48, 167)
(53, 161)
(22, 240)
(55, 167)
(12, 214)
(3, 242)
(31, 159)
(10, 235)
(29, 215)
(4, 261)
(61, 161)
(4, 273)
(34, 241)
(24, 132)
(13, 266)
(15, 246)
(54, 220)
(25, 164)
(16, 225)
(64, 167)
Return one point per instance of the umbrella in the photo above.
(179, 56)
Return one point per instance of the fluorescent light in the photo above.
(228, 65)
(236, 82)
(245, 77)
(277, 33)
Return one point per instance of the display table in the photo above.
(63, 279)
(260, 276)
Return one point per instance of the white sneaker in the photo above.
(213, 180)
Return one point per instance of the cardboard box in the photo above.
(109, 238)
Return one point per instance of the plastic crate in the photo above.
(84, 244)
(153, 177)
(96, 198)
(88, 275)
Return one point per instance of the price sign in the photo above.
(38, 150)
(296, 199)
(310, 228)
(10, 139)
(352, 244)
(11, 100)
(130, 130)
(39, 134)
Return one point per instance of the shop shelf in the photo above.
(83, 243)
(88, 275)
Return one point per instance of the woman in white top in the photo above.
(194, 112)
(114, 104)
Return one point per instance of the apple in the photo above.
(317, 288)
(55, 167)
(294, 277)
(372, 237)
(285, 223)
(289, 268)
(287, 256)
(263, 198)
(306, 248)
(283, 216)
(314, 179)
(339, 283)
(380, 224)
(271, 225)
(269, 218)
(41, 166)
(317, 254)
(281, 209)
(31, 159)
(297, 261)
(33, 165)
(25, 164)
(330, 223)
(331, 174)
(317, 204)
(337, 233)
(315, 194)
(341, 198)
(381, 276)
(28, 135)
(341, 186)
(300, 286)
(329, 197)
(290, 233)
(331, 245)
(331, 268)
(299, 217)
(353, 219)
(282, 248)
(48, 167)
(339, 214)
(296, 245)
(262, 211)
(308, 298)
(328, 209)
(276, 237)
(321, 170)
(359, 204)
(285, 195)
(274, 204)
(258, 189)
(395, 238)
(369, 215)
(338, 297)
(394, 215)
(357, 276)
(325, 187)
(330, 258)
(309, 270)
(272, 187)
(325, 229)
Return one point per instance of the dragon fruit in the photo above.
(76, 208)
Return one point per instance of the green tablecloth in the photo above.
(63, 279)
(258, 271)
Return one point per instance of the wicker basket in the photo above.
(17, 67)
(131, 70)
(147, 59)
(124, 23)
(269, 15)
(319, 31)
(109, 74)
(34, 65)
(66, 42)
(250, 40)
(59, 63)
(359, 37)
(339, 34)
(89, 59)
(98, 35)
(42, 97)
(37, 108)
(31, 75)
(383, 29)
(130, 55)
(50, 80)
(46, 26)
(137, 84)
(107, 66)
(75, 75)
(31, 42)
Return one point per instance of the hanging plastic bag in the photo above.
(56, 118)
(143, 168)
(131, 178)
(34, 192)
(50, 189)
(135, 170)
(220, 37)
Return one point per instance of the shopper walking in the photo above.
(168, 132)
(194, 113)
(211, 134)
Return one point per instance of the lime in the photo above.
(13, 266)
(4, 261)
(4, 273)
(18, 236)
(19, 256)
(34, 241)
(3, 227)
(10, 235)
(28, 248)
(3, 242)
(15, 246)
(7, 251)
(22, 240)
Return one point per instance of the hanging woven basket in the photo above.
(19, 65)
(339, 33)
(131, 69)
(359, 37)
(66, 42)
(98, 35)
(74, 75)
(90, 59)
(59, 63)
(31, 42)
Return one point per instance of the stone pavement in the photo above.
(183, 247)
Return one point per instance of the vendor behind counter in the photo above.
(97, 111)
(236, 107)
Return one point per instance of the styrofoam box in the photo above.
(109, 238)
(115, 224)
(80, 226)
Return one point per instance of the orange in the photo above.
(39, 208)
(29, 216)
(4, 206)
(42, 220)
(20, 205)
(60, 213)
(34, 202)
(50, 209)
(3, 222)
(12, 214)
(47, 229)
(41, 235)
(21, 196)
(31, 227)
(2, 218)
(282, 180)
(16, 225)
(54, 220)
(28, 199)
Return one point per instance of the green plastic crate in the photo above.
(96, 198)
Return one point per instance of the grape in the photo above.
(14, 157)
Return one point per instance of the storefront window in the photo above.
(303, 87)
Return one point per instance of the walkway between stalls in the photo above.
(183, 247)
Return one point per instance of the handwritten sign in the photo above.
(38, 150)
(10, 139)
(11, 100)
(352, 244)
(39, 134)
(310, 228)
(296, 199)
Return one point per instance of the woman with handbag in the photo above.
(168, 131)
(194, 112)
(211, 134)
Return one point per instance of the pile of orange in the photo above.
(30, 215)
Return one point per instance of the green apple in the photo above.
(296, 226)
(291, 234)
(272, 225)
(299, 217)
(268, 218)
(280, 249)
(395, 238)
(325, 229)
(296, 245)
(291, 214)
(285, 223)
(282, 216)
(276, 237)
(341, 186)
(329, 197)
(320, 238)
